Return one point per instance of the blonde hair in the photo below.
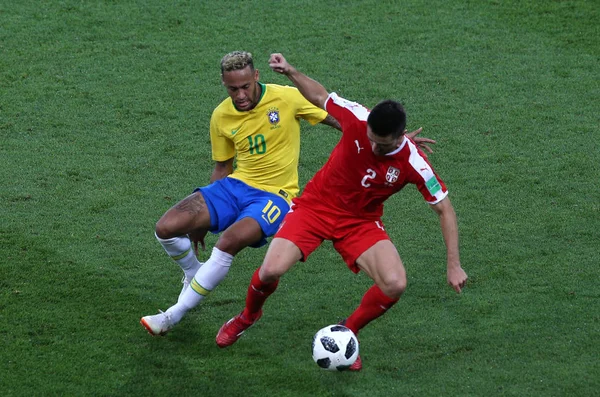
(236, 60)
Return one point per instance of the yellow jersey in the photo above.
(264, 140)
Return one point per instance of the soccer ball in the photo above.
(335, 348)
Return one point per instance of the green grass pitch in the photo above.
(104, 112)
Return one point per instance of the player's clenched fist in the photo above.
(278, 64)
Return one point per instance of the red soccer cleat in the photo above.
(231, 331)
(357, 365)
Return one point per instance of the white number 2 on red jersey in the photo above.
(370, 175)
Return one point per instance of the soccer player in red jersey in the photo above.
(344, 202)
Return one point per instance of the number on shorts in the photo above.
(271, 212)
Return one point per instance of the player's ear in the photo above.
(256, 75)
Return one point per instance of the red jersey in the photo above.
(354, 181)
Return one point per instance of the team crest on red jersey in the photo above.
(392, 175)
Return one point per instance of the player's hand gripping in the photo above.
(278, 64)
(421, 142)
(198, 237)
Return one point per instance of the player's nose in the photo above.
(241, 94)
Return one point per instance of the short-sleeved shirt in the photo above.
(355, 181)
(264, 140)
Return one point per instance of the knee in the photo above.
(230, 243)
(240, 235)
(394, 287)
(269, 272)
(163, 229)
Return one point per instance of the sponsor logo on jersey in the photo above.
(358, 146)
(433, 185)
(392, 175)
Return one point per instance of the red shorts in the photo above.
(351, 236)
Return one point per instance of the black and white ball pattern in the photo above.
(335, 347)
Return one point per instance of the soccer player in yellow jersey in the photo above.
(258, 125)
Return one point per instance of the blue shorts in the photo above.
(230, 200)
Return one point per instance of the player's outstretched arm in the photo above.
(312, 90)
(457, 277)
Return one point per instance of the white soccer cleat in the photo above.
(158, 324)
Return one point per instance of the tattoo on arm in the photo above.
(332, 122)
